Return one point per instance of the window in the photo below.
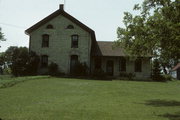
(122, 64)
(44, 61)
(110, 67)
(138, 65)
(70, 27)
(74, 41)
(49, 26)
(45, 40)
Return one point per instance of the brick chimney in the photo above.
(61, 6)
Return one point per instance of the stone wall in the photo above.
(59, 50)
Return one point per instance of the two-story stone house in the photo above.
(62, 39)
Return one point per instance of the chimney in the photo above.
(61, 6)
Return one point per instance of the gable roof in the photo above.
(105, 48)
(65, 14)
(176, 67)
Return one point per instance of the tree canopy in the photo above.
(1, 35)
(155, 30)
(20, 60)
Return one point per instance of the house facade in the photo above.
(62, 39)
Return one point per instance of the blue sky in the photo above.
(103, 16)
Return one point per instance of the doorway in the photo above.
(73, 63)
(110, 67)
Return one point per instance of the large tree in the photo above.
(21, 61)
(155, 30)
(1, 36)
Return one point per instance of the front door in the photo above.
(110, 67)
(73, 63)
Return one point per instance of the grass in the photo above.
(47, 98)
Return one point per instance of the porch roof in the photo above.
(106, 48)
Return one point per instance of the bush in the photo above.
(99, 74)
(32, 64)
(53, 69)
(156, 72)
(167, 78)
(130, 76)
(21, 61)
(81, 69)
(6, 71)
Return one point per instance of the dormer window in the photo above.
(49, 26)
(70, 27)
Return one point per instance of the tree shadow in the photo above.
(163, 103)
(175, 116)
(166, 103)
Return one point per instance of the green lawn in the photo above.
(46, 98)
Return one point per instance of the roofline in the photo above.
(55, 14)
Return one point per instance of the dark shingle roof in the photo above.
(107, 49)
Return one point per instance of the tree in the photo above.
(21, 61)
(32, 64)
(155, 31)
(2, 59)
(1, 36)
(156, 71)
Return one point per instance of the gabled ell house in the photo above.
(64, 40)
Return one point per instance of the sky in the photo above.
(103, 16)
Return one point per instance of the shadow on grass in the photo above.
(175, 116)
(166, 103)
(163, 103)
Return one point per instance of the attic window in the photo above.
(70, 27)
(49, 27)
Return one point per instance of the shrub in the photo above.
(156, 72)
(99, 74)
(81, 69)
(53, 69)
(6, 71)
(167, 78)
(127, 75)
(32, 64)
(21, 61)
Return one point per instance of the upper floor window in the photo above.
(122, 64)
(74, 41)
(49, 26)
(70, 27)
(45, 40)
(44, 61)
(138, 65)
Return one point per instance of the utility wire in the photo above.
(15, 26)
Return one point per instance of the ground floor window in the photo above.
(122, 64)
(110, 67)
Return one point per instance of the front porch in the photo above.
(114, 66)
